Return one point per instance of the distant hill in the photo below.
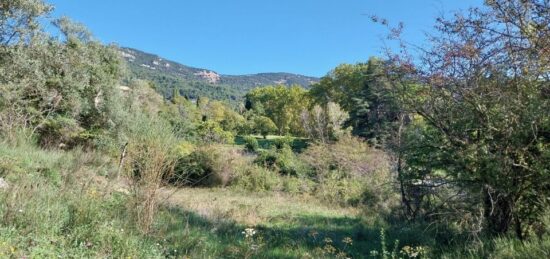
(193, 82)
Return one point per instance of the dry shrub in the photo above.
(350, 155)
(151, 156)
(212, 165)
(349, 171)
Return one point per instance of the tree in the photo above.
(324, 124)
(281, 104)
(364, 91)
(19, 20)
(264, 126)
(72, 79)
(482, 94)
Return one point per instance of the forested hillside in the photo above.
(194, 82)
(110, 153)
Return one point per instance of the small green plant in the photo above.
(384, 252)
(251, 144)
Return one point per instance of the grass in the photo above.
(211, 221)
(62, 204)
(59, 204)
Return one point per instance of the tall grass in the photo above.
(151, 158)
(57, 205)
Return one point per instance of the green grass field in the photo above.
(211, 221)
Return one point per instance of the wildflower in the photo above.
(249, 232)
(329, 249)
(347, 241)
(328, 240)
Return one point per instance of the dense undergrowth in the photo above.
(64, 203)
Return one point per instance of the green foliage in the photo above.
(281, 143)
(280, 104)
(251, 144)
(45, 79)
(255, 179)
(60, 132)
(20, 20)
(484, 125)
(264, 126)
(208, 166)
(334, 188)
(296, 185)
(50, 217)
(364, 91)
(151, 159)
(283, 161)
(212, 132)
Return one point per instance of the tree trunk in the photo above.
(498, 211)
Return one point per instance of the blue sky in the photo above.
(308, 37)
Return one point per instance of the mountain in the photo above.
(193, 82)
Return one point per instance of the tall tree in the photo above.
(484, 103)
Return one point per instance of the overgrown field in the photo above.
(440, 156)
(64, 204)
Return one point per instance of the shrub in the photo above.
(208, 166)
(283, 161)
(59, 132)
(295, 185)
(151, 158)
(350, 156)
(280, 143)
(350, 172)
(251, 144)
(256, 178)
(212, 132)
(340, 190)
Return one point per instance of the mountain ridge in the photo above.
(193, 82)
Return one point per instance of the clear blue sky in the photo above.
(308, 37)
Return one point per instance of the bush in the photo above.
(208, 166)
(251, 144)
(350, 156)
(283, 161)
(212, 132)
(151, 157)
(295, 185)
(60, 132)
(350, 172)
(340, 190)
(256, 178)
(280, 143)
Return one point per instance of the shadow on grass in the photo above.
(297, 144)
(187, 233)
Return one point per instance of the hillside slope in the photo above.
(193, 82)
